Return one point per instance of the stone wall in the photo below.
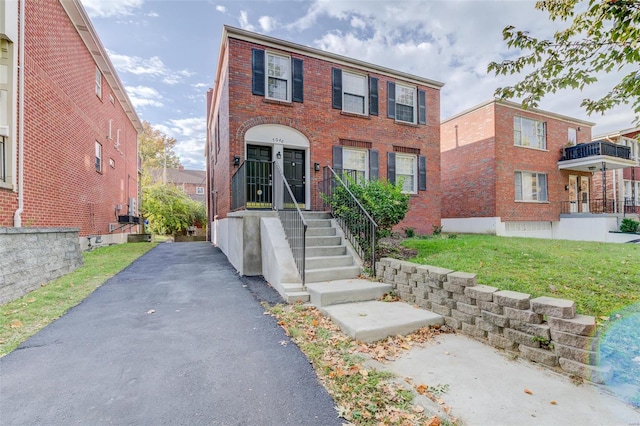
(545, 330)
(30, 257)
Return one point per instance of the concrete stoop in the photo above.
(374, 320)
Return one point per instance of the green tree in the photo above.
(154, 146)
(170, 211)
(602, 36)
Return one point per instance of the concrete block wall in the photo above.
(545, 330)
(30, 257)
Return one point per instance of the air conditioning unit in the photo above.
(133, 207)
(112, 227)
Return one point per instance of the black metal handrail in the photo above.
(3, 158)
(591, 149)
(599, 206)
(356, 223)
(293, 222)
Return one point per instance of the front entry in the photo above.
(573, 194)
(294, 172)
(259, 177)
(584, 193)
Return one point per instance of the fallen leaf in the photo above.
(15, 324)
(433, 421)
(31, 300)
(553, 402)
(527, 391)
(422, 389)
(418, 409)
(283, 342)
(151, 311)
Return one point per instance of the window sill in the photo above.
(4, 185)
(276, 102)
(356, 115)
(404, 123)
(532, 202)
(531, 147)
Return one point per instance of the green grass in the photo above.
(601, 278)
(25, 316)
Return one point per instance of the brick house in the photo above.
(515, 172)
(285, 102)
(191, 182)
(623, 185)
(75, 162)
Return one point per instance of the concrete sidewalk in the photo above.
(176, 338)
(486, 387)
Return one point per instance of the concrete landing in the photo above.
(372, 321)
(345, 291)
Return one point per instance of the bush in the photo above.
(409, 232)
(629, 225)
(170, 211)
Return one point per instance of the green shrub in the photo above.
(437, 230)
(629, 225)
(409, 232)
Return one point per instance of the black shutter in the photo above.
(257, 76)
(373, 96)
(391, 167)
(298, 80)
(391, 100)
(373, 164)
(336, 82)
(422, 107)
(337, 159)
(422, 173)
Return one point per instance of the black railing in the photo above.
(3, 159)
(599, 206)
(356, 223)
(591, 149)
(251, 185)
(295, 227)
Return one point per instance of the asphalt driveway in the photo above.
(177, 338)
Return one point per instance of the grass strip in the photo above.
(23, 317)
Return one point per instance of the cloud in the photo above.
(243, 19)
(153, 15)
(111, 8)
(152, 67)
(221, 9)
(143, 96)
(267, 23)
(191, 135)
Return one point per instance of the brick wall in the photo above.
(544, 330)
(45, 254)
(324, 126)
(63, 120)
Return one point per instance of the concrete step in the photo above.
(330, 274)
(297, 297)
(373, 321)
(292, 287)
(316, 215)
(324, 241)
(328, 261)
(318, 223)
(321, 232)
(346, 291)
(317, 251)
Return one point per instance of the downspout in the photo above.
(17, 216)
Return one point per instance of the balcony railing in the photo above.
(596, 148)
(356, 223)
(599, 206)
(3, 160)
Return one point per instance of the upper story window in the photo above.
(354, 93)
(277, 77)
(406, 104)
(98, 157)
(572, 136)
(531, 187)
(634, 146)
(7, 87)
(529, 133)
(200, 190)
(98, 83)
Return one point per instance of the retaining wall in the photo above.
(545, 330)
(30, 257)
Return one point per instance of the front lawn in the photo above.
(601, 278)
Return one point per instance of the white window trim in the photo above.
(414, 89)
(544, 138)
(98, 80)
(414, 159)
(366, 160)
(98, 157)
(289, 78)
(575, 134)
(366, 92)
(537, 182)
(200, 190)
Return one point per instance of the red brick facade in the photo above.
(235, 110)
(480, 160)
(63, 120)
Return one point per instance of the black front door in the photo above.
(294, 171)
(259, 177)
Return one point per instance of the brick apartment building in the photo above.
(191, 182)
(75, 164)
(515, 172)
(306, 109)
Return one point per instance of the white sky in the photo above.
(166, 51)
